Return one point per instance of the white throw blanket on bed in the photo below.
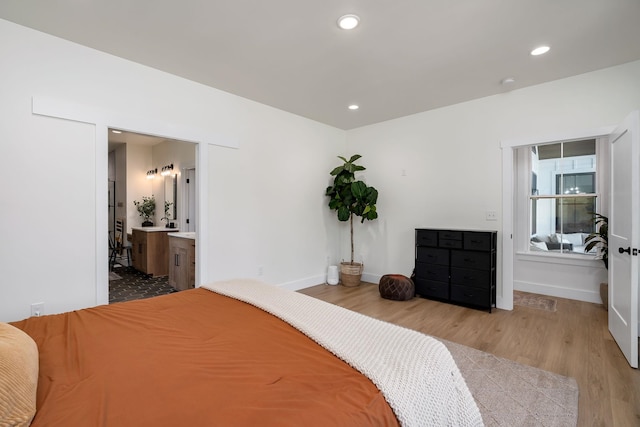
(415, 372)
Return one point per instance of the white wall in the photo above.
(265, 198)
(139, 161)
(273, 188)
(451, 159)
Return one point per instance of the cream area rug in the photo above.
(540, 302)
(511, 394)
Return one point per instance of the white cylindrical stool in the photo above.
(332, 275)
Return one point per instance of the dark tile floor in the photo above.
(132, 284)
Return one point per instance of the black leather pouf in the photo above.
(396, 287)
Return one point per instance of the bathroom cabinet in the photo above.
(182, 260)
(150, 250)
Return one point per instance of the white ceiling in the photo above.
(406, 56)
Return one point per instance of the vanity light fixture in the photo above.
(540, 50)
(348, 22)
(167, 170)
(152, 173)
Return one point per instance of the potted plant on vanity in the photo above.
(349, 197)
(147, 209)
(167, 214)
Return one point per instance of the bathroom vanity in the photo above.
(182, 260)
(150, 249)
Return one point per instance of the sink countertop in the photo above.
(152, 229)
(184, 235)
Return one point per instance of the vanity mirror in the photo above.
(170, 197)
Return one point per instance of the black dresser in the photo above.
(457, 266)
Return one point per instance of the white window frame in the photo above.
(600, 183)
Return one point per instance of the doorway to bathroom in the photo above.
(149, 181)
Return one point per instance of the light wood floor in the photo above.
(573, 341)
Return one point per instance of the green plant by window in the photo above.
(599, 238)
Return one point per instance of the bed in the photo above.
(239, 353)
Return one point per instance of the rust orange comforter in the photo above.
(193, 358)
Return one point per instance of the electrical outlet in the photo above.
(260, 270)
(492, 216)
(37, 309)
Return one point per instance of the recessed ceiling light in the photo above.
(115, 131)
(353, 107)
(348, 22)
(540, 50)
(508, 80)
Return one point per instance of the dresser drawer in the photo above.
(433, 255)
(449, 235)
(431, 289)
(426, 238)
(451, 244)
(472, 296)
(466, 259)
(473, 278)
(439, 273)
(479, 241)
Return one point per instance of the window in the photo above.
(576, 213)
(563, 196)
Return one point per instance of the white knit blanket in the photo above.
(415, 372)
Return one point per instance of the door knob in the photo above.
(628, 250)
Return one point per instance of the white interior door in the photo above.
(624, 228)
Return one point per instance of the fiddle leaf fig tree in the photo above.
(350, 197)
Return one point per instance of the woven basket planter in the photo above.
(350, 274)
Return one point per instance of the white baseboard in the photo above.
(503, 304)
(308, 282)
(557, 291)
(371, 278)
